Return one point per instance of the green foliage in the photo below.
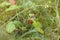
(17, 23)
(46, 13)
(10, 27)
(5, 3)
(12, 7)
(38, 27)
(29, 4)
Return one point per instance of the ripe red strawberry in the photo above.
(30, 21)
(13, 2)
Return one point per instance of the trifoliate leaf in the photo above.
(10, 27)
(38, 27)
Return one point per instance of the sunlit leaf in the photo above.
(38, 27)
(10, 27)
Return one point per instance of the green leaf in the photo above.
(10, 27)
(17, 23)
(23, 28)
(29, 4)
(12, 7)
(38, 27)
